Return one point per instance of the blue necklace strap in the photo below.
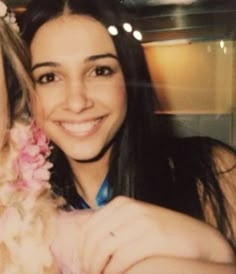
(101, 198)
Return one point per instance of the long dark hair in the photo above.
(147, 162)
(138, 123)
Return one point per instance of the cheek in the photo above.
(119, 100)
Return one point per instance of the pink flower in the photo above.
(31, 165)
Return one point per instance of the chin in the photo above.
(89, 156)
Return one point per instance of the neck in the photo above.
(90, 176)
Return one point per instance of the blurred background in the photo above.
(190, 50)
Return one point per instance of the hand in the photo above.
(66, 237)
(126, 231)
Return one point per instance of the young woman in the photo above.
(36, 237)
(95, 102)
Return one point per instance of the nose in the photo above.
(77, 97)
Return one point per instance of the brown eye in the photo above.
(103, 71)
(47, 78)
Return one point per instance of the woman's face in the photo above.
(81, 96)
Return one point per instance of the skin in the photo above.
(140, 231)
(81, 105)
(160, 265)
(139, 244)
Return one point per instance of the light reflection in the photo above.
(137, 35)
(113, 30)
(127, 27)
(222, 44)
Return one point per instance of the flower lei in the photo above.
(8, 16)
(30, 164)
(30, 168)
(22, 224)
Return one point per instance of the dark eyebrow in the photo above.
(90, 58)
(101, 56)
(44, 64)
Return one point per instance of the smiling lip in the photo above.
(82, 129)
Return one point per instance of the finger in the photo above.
(69, 223)
(94, 235)
(80, 217)
(63, 243)
(107, 246)
(107, 210)
(128, 255)
(98, 225)
(147, 265)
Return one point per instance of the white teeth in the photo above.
(80, 127)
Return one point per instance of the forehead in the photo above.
(71, 34)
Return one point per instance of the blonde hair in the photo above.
(13, 58)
